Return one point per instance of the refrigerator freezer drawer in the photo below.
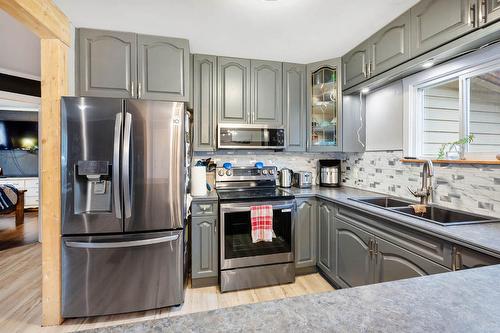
(121, 273)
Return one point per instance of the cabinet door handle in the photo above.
(484, 10)
(132, 89)
(375, 251)
(215, 227)
(370, 247)
(365, 70)
(472, 15)
(139, 90)
(458, 256)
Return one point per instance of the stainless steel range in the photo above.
(245, 264)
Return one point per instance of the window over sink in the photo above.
(452, 111)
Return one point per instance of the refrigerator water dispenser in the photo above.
(93, 187)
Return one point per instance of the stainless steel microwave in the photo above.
(245, 136)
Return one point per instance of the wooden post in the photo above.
(54, 85)
(46, 20)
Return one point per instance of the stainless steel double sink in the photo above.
(434, 214)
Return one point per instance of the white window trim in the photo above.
(462, 68)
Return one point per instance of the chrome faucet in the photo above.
(426, 191)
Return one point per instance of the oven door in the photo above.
(237, 249)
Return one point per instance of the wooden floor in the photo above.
(20, 296)
(12, 235)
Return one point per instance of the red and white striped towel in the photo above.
(262, 223)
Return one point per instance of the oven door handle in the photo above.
(228, 208)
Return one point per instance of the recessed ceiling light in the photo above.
(365, 90)
(428, 63)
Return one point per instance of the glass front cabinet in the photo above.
(324, 106)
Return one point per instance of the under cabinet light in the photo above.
(428, 63)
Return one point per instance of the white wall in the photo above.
(20, 49)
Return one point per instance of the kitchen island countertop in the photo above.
(463, 301)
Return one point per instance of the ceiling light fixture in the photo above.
(429, 63)
(365, 90)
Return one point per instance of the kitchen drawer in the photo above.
(430, 247)
(204, 208)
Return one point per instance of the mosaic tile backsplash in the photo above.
(294, 161)
(473, 188)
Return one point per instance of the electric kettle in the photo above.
(285, 176)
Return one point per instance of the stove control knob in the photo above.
(229, 173)
(264, 172)
(271, 171)
(221, 172)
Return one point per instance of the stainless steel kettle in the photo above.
(285, 175)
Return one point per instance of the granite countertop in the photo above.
(463, 301)
(484, 237)
(211, 196)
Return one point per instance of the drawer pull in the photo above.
(205, 207)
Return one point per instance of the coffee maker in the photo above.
(330, 173)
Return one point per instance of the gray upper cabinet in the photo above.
(233, 90)
(306, 233)
(354, 65)
(324, 106)
(386, 49)
(163, 68)
(204, 101)
(490, 11)
(266, 92)
(354, 255)
(326, 221)
(436, 22)
(294, 106)
(395, 263)
(390, 46)
(106, 63)
(204, 247)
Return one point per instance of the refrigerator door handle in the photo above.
(126, 165)
(114, 245)
(116, 166)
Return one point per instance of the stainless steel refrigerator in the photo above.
(123, 194)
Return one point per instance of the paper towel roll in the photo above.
(198, 181)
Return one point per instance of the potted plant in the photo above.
(455, 150)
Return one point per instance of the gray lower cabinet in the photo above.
(204, 245)
(436, 22)
(204, 102)
(353, 254)
(306, 234)
(363, 258)
(464, 258)
(294, 106)
(163, 68)
(392, 262)
(106, 63)
(266, 92)
(326, 241)
(233, 77)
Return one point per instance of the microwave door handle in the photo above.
(115, 245)
(116, 166)
(126, 165)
